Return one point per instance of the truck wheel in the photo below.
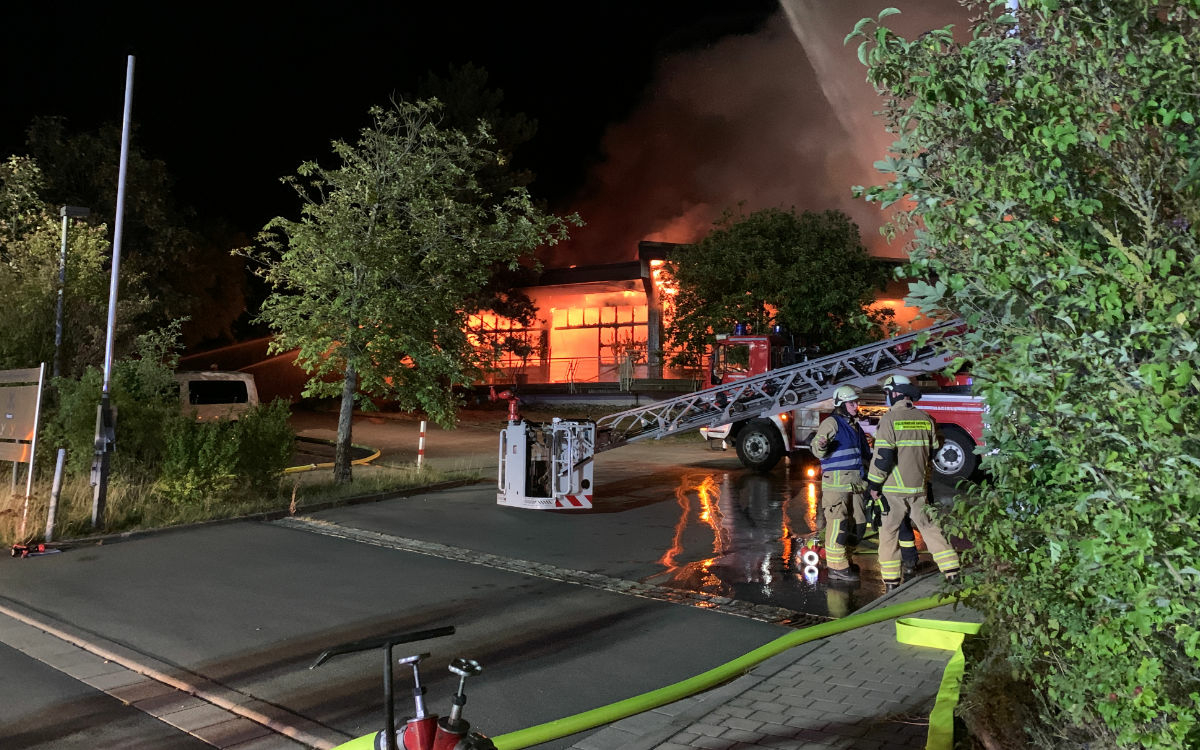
(759, 445)
(956, 458)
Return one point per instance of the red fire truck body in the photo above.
(959, 415)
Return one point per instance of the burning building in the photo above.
(604, 324)
(597, 327)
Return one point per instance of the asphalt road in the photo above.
(249, 605)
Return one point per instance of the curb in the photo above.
(278, 720)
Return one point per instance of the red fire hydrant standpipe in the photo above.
(514, 413)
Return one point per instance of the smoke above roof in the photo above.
(778, 118)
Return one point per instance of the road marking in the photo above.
(722, 604)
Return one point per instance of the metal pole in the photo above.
(58, 310)
(104, 420)
(389, 703)
(119, 226)
(66, 212)
(421, 446)
(55, 491)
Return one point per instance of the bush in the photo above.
(211, 461)
(186, 462)
(265, 442)
(1051, 169)
(145, 405)
(198, 462)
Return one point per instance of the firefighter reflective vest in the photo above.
(842, 448)
(904, 443)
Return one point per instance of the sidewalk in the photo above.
(859, 689)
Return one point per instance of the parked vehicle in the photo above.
(215, 394)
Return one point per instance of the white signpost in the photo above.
(20, 409)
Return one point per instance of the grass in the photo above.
(132, 505)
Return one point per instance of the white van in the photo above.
(214, 395)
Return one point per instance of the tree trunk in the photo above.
(341, 457)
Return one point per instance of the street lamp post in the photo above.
(67, 212)
(105, 429)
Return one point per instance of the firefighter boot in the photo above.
(843, 574)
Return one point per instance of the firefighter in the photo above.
(842, 447)
(898, 479)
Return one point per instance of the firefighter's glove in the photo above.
(882, 504)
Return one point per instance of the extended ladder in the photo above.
(780, 390)
(550, 465)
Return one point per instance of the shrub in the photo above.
(1051, 169)
(211, 461)
(265, 442)
(145, 401)
(198, 461)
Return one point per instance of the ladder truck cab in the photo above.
(762, 442)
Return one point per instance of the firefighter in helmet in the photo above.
(842, 447)
(898, 478)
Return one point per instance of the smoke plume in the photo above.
(780, 118)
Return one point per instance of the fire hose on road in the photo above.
(932, 633)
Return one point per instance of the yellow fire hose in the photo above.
(948, 636)
(933, 633)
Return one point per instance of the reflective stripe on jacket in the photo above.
(904, 443)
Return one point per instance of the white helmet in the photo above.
(891, 381)
(844, 394)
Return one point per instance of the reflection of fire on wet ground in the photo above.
(741, 535)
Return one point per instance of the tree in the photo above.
(1052, 166)
(466, 100)
(30, 248)
(374, 283)
(194, 276)
(807, 272)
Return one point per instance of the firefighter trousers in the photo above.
(913, 508)
(845, 523)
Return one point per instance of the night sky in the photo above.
(653, 116)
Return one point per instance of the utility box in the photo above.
(547, 465)
(216, 395)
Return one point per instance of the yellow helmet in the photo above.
(891, 381)
(844, 394)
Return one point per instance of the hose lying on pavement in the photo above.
(646, 701)
(934, 633)
(948, 636)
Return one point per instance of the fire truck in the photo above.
(958, 414)
(769, 404)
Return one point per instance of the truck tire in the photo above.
(956, 458)
(759, 445)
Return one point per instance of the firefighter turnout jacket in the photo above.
(904, 444)
(842, 449)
